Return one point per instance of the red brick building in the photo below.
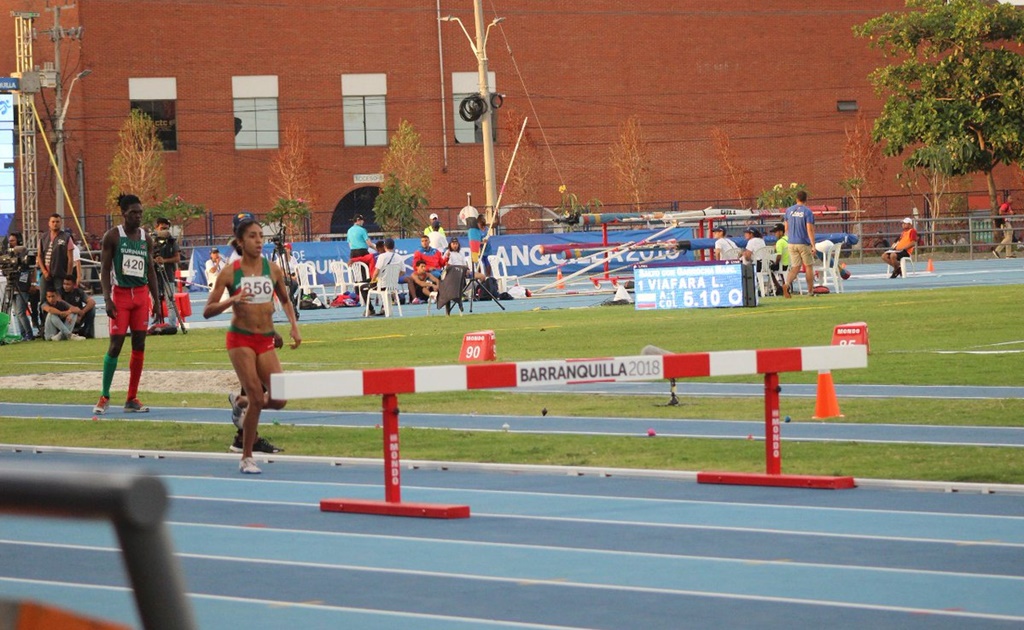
(781, 79)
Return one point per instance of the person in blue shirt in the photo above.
(359, 244)
(799, 222)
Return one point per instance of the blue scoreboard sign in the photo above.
(718, 284)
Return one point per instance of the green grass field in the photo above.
(931, 337)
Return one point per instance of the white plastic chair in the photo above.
(342, 276)
(359, 274)
(386, 291)
(906, 265)
(830, 273)
(733, 253)
(760, 258)
(500, 273)
(305, 273)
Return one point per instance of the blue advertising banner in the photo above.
(523, 254)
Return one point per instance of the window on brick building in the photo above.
(255, 109)
(157, 98)
(364, 109)
(463, 85)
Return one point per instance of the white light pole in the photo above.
(480, 50)
(59, 132)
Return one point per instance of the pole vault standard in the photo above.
(390, 382)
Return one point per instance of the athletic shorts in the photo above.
(801, 254)
(259, 342)
(133, 305)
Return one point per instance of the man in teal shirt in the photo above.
(359, 244)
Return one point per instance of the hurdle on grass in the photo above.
(390, 382)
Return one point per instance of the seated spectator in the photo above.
(454, 256)
(421, 283)
(75, 296)
(60, 318)
(214, 266)
(754, 243)
(385, 259)
(427, 254)
(723, 244)
(903, 248)
(780, 265)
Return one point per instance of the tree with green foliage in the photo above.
(407, 180)
(956, 88)
(175, 209)
(138, 164)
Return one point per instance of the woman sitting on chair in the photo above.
(454, 257)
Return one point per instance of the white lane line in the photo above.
(560, 583)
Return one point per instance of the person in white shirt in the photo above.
(723, 244)
(754, 243)
(214, 266)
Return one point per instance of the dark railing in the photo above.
(135, 504)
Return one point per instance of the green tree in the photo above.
(407, 181)
(175, 209)
(956, 87)
(138, 164)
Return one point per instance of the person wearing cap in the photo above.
(754, 243)
(799, 222)
(903, 248)
(434, 231)
(359, 244)
(725, 247)
(213, 266)
(236, 249)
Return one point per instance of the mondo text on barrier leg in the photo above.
(773, 455)
(392, 504)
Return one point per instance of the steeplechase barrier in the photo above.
(389, 382)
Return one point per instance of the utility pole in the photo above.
(486, 123)
(57, 34)
(479, 47)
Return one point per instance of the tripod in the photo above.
(166, 291)
(473, 284)
(284, 260)
(7, 307)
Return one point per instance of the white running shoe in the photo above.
(75, 337)
(248, 466)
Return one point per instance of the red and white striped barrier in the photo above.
(390, 382)
(446, 378)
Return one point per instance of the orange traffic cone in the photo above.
(931, 267)
(559, 284)
(826, 405)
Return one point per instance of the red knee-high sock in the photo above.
(135, 373)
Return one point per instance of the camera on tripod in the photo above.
(17, 260)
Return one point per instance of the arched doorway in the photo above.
(358, 201)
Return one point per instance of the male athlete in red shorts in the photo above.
(126, 262)
(252, 282)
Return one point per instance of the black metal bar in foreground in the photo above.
(135, 504)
